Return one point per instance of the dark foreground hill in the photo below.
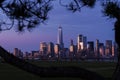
(10, 72)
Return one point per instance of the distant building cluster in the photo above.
(18, 53)
(82, 50)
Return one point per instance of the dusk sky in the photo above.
(89, 22)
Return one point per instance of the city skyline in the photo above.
(84, 49)
(82, 42)
(86, 22)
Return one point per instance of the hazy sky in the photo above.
(89, 22)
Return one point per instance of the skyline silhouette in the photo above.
(86, 22)
(79, 38)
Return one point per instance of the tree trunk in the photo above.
(116, 75)
(49, 71)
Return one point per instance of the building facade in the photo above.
(60, 38)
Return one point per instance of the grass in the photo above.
(10, 72)
(105, 69)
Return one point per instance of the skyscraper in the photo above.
(101, 49)
(16, 52)
(56, 50)
(97, 48)
(50, 49)
(85, 42)
(79, 42)
(80, 38)
(60, 38)
(108, 50)
(43, 48)
(72, 50)
(90, 49)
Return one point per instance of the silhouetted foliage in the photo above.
(76, 5)
(26, 13)
(111, 9)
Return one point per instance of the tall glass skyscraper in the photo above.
(97, 48)
(108, 50)
(60, 38)
(79, 42)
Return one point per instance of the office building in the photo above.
(43, 48)
(108, 49)
(72, 50)
(16, 52)
(56, 50)
(79, 42)
(84, 42)
(60, 38)
(90, 49)
(20, 54)
(97, 48)
(101, 49)
(50, 49)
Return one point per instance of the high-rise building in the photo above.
(60, 38)
(79, 42)
(56, 50)
(20, 54)
(97, 48)
(50, 49)
(81, 45)
(72, 47)
(43, 48)
(108, 48)
(71, 50)
(16, 52)
(101, 49)
(90, 49)
(80, 38)
(85, 42)
(71, 42)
